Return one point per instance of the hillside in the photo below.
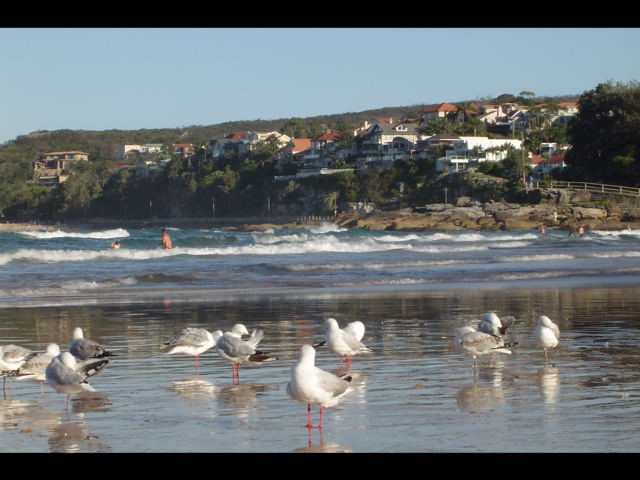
(99, 143)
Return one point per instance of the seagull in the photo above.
(35, 367)
(11, 359)
(493, 325)
(547, 334)
(475, 343)
(344, 341)
(84, 349)
(231, 347)
(192, 341)
(312, 385)
(65, 375)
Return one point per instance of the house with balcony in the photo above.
(466, 153)
(382, 144)
(298, 152)
(52, 169)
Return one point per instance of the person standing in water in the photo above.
(166, 239)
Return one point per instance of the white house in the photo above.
(468, 152)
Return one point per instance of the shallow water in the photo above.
(414, 394)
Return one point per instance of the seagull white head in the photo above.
(307, 354)
(68, 359)
(331, 324)
(53, 349)
(77, 333)
(545, 321)
(239, 330)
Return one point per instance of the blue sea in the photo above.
(64, 266)
(412, 290)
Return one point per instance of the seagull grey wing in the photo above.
(92, 366)
(60, 374)
(331, 383)
(14, 353)
(255, 338)
(195, 337)
(37, 364)
(488, 327)
(85, 349)
(353, 343)
(234, 347)
(481, 341)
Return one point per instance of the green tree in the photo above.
(605, 134)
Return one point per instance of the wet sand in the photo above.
(415, 393)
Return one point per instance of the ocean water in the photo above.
(414, 393)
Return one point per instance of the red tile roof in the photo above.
(328, 136)
(537, 159)
(569, 104)
(443, 107)
(236, 136)
(300, 144)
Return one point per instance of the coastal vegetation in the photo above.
(605, 140)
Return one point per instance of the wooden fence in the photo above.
(592, 187)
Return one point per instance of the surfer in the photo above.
(115, 244)
(166, 239)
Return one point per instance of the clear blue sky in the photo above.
(132, 78)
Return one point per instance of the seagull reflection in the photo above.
(321, 447)
(549, 383)
(90, 402)
(72, 436)
(240, 398)
(11, 411)
(193, 388)
(486, 391)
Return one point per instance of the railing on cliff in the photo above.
(592, 187)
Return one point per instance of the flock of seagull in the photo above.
(488, 338)
(68, 372)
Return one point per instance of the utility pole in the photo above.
(524, 171)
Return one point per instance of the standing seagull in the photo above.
(231, 347)
(547, 334)
(35, 367)
(64, 375)
(474, 343)
(84, 349)
(344, 341)
(493, 325)
(11, 359)
(312, 385)
(192, 341)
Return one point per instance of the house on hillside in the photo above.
(382, 144)
(441, 110)
(466, 153)
(297, 152)
(52, 169)
(183, 149)
(543, 166)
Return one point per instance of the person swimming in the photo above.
(115, 244)
(166, 239)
